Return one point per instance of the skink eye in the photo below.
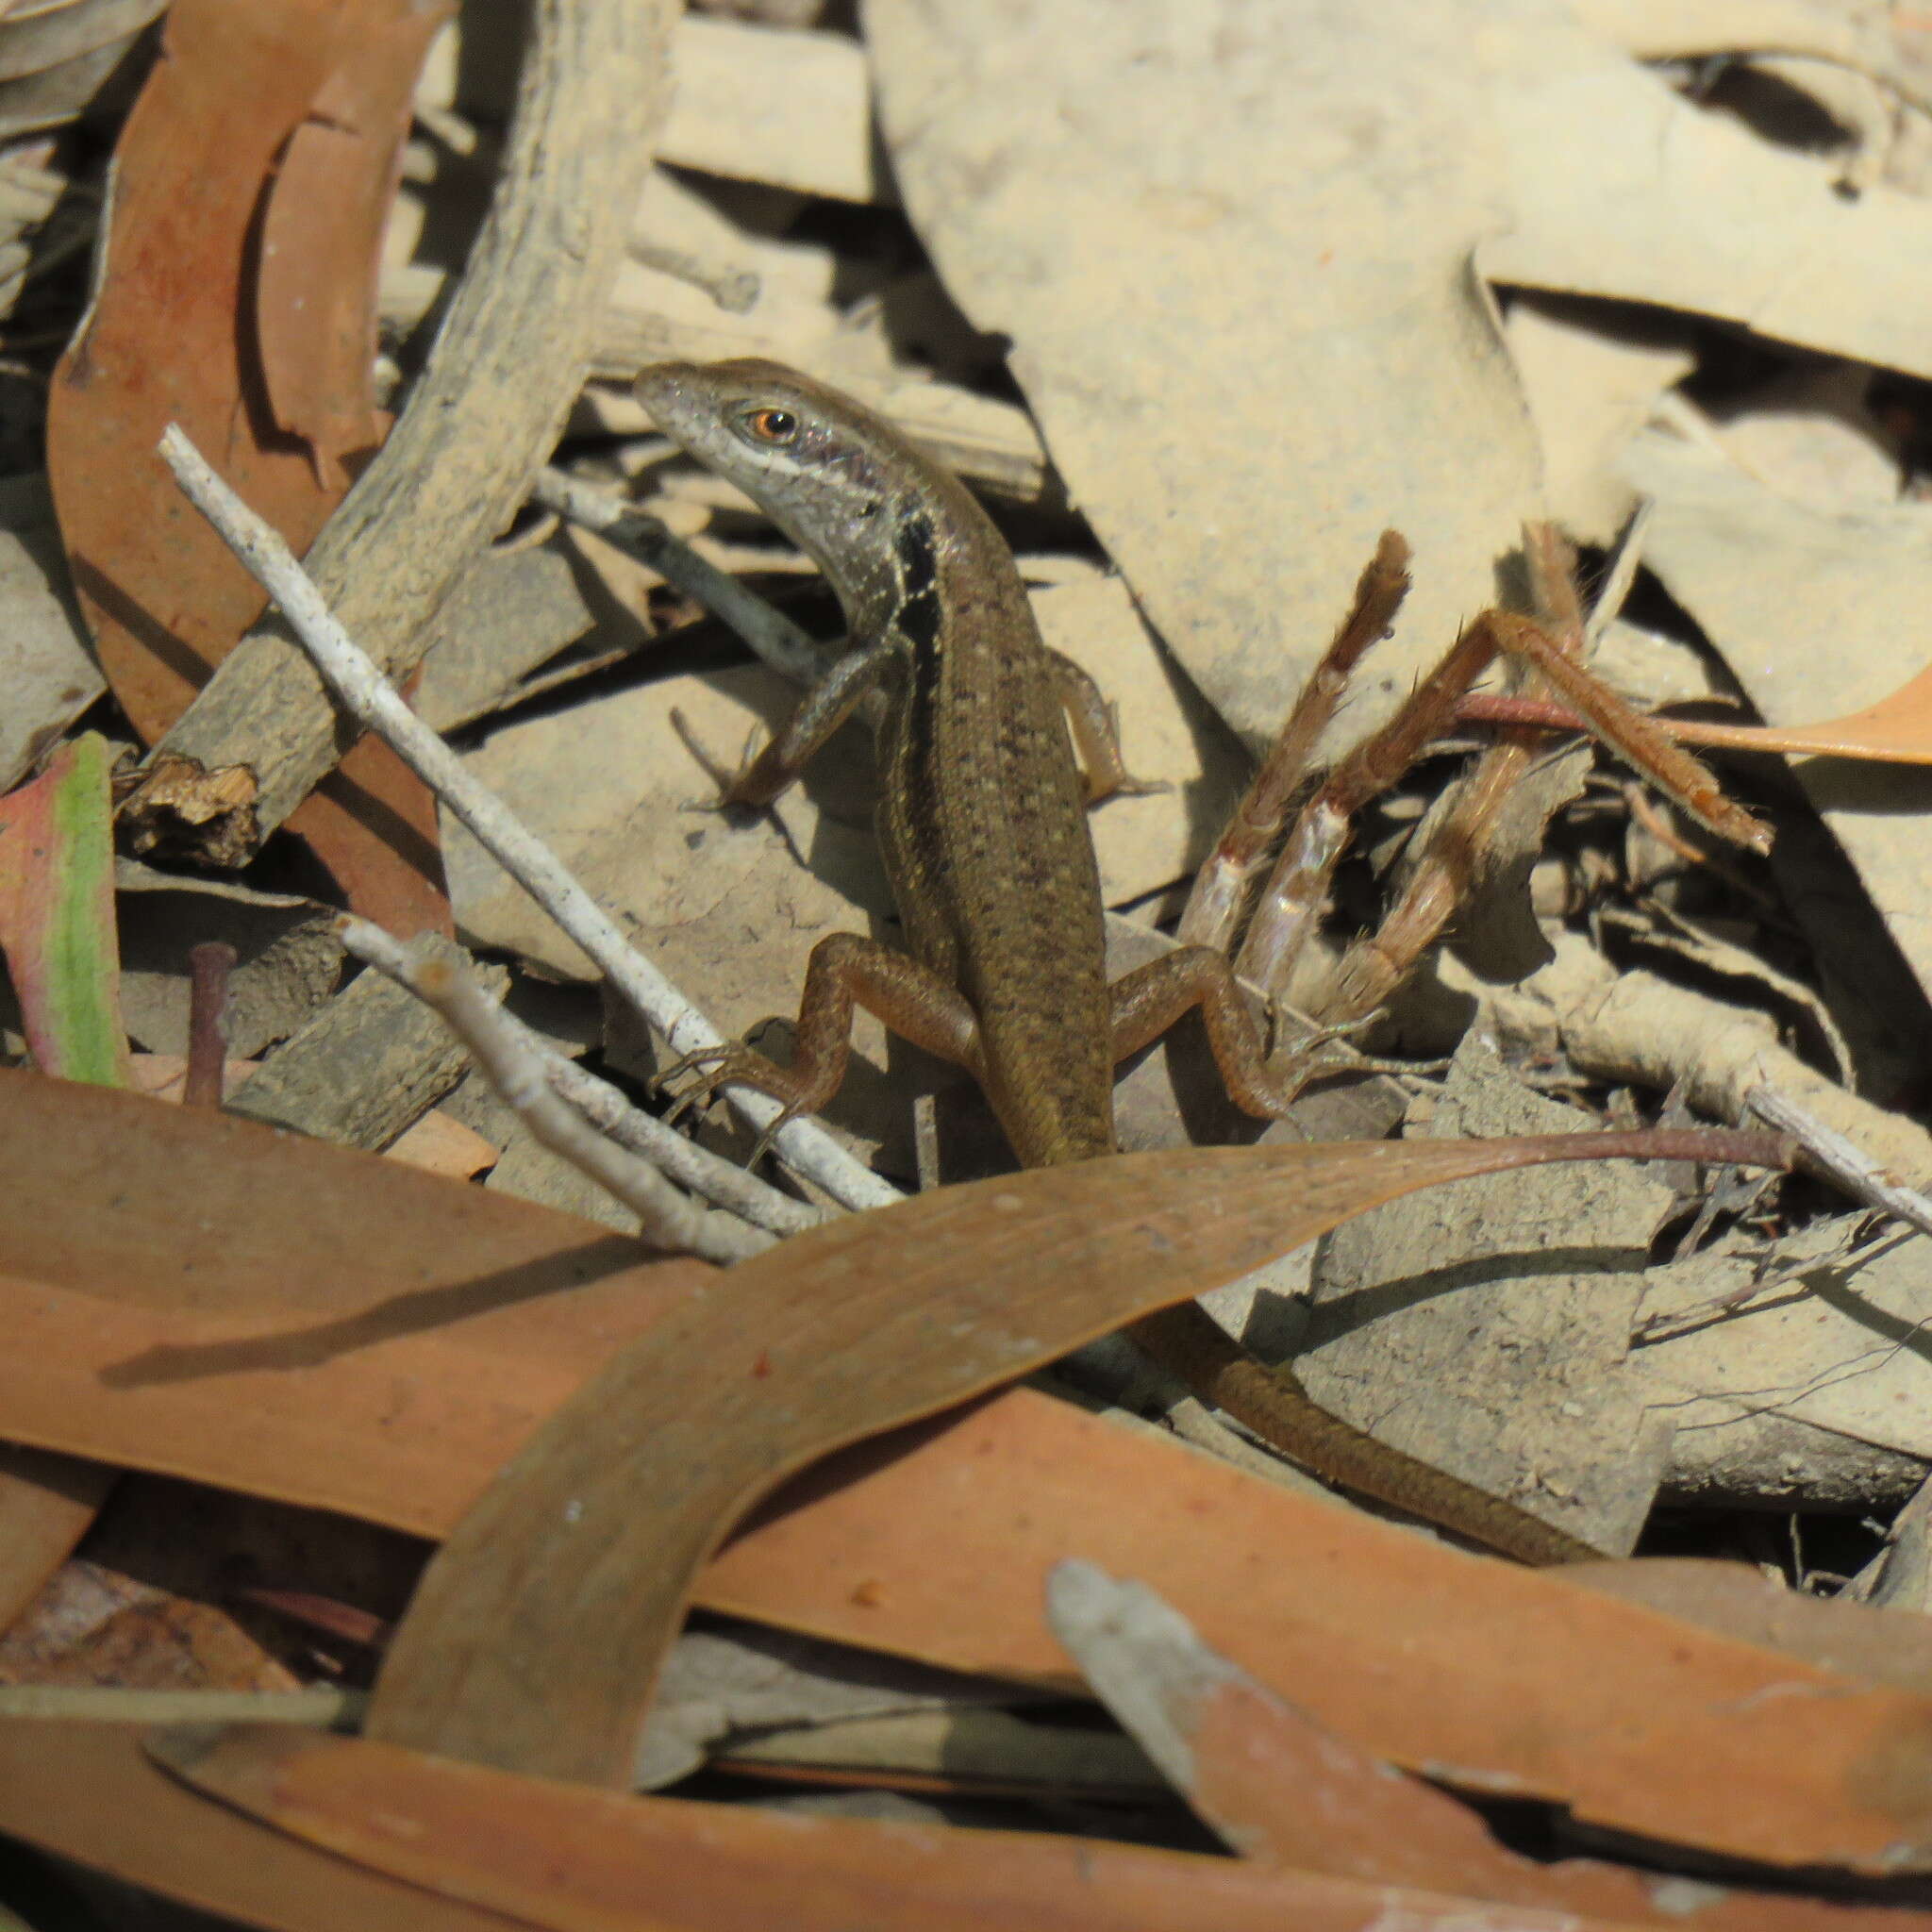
(772, 425)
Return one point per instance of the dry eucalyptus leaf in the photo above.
(1653, 29)
(1617, 186)
(1739, 1599)
(761, 104)
(1485, 1331)
(1592, 375)
(1840, 1348)
(724, 1686)
(369, 1340)
(47, 672)
(1814, 615)
(461, 1832)
(1237, 283)
(439, 1144)
(55, 59)
(1279, 1787)
(1283, 219)
(33, 39)
(1810, 436)
(537, 1635)
(44, 221)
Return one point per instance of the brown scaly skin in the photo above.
(983, 830)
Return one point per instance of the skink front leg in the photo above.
(824, 708)
(844, 972)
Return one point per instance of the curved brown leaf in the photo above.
(580, 1860)
(203, 1295)
(538, 1632)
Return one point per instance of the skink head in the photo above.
(838, 480)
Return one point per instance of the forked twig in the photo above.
(374, 702)
(1214, 910)
(709, 1175)
(1296, 891)
(516, 1071)
(1843, 1161)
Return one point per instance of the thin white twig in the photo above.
(671, 1220)
(717, 1180)
(804, 1146)
(1843, 1161)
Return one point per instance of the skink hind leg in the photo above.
(844, 972)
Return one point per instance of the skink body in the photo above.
(982, 826)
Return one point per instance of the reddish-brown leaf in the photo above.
(1896, 730)
(202, 1296)
(582, 1860)
(1278, 1787)
(87, 1791)
(538, 1632)
(190, 320)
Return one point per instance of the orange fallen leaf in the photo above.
(577, 1859)
(358, 1336)
(1859, 1639)
(536, 1633)
(1897, 730)
(1281, 1788)
(204, 1296)
(86, 1792)
(188, 322)
(1507, 1680)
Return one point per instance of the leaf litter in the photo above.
(1197, 351)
